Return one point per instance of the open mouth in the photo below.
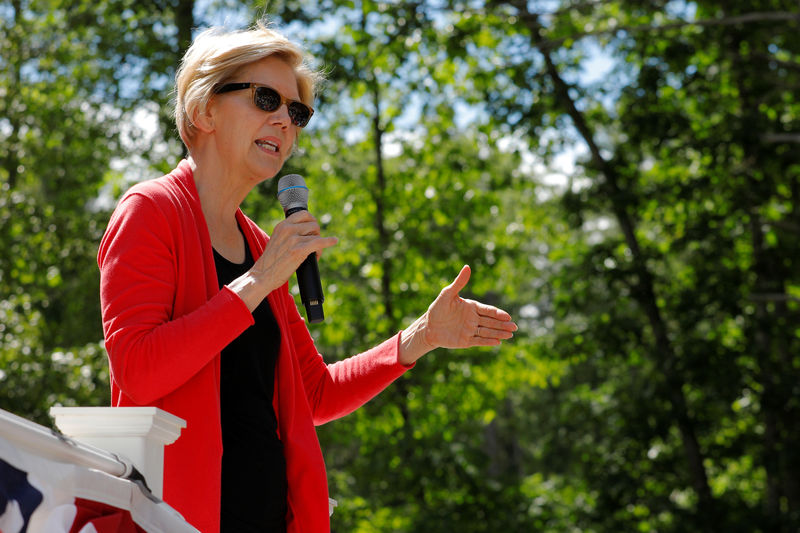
(268, 145)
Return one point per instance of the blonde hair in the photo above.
(217, 54)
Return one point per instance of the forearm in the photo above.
(151, 356)
(344, 386)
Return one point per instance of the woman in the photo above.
(197, 315)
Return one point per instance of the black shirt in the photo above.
(254, 486)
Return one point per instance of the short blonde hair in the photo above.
(217, 54)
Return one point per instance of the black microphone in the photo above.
(293, 196)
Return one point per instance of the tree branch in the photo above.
(645, 293)
(773, 297)
(747, 18)
(779, 138)
(794, 65)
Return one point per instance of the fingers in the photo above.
(302, 229)
(501, 325)
(481, 341)
(460, 282)
(292, 240)
(490, 316)
(325, 242)
(490, 311)
(305, 245)
(320, 243)
(302, 223)
(499, 333)
(493, 325)
(300, 216)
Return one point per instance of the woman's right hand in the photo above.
(292, 240)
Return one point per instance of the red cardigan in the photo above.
(165, 322)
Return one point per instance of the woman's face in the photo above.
(251, 142)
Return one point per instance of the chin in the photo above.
(265, 172)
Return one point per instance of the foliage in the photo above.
(73, 74)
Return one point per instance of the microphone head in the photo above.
(292, 192)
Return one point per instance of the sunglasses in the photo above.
(269, 100)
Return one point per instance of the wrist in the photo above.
(252, 288)
(414, 341)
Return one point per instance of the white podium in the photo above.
(137, 433)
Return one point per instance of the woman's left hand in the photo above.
(454, 322)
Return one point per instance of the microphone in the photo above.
(293, 196)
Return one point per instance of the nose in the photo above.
(280, 117)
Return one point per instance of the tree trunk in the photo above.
(400, 387)
(12, 159)
(184, 21)
(771, 331)
(380, 218)
(644, 286)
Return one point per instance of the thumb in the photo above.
(460, 282)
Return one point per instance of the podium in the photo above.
(51, 482)
(136, 433)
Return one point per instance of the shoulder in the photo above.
(153, 209)
(160, 191)
(164, 197)
(162, 215)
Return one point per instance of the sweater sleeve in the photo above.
(151, 351)
(338, 389)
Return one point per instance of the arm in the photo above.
(340, 388)
(151, 351)
(450, 322)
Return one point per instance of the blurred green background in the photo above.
(622, 176)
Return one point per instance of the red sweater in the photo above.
(165, 322)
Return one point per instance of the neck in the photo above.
(220, 192)
(220, 196)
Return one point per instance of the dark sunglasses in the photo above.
(269, 100)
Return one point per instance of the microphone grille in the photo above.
(292, 192)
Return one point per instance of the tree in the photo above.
(652, 384)
(71, 75)
(683, 200)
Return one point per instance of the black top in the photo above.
(254, 485)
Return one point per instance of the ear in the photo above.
(204, 121)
